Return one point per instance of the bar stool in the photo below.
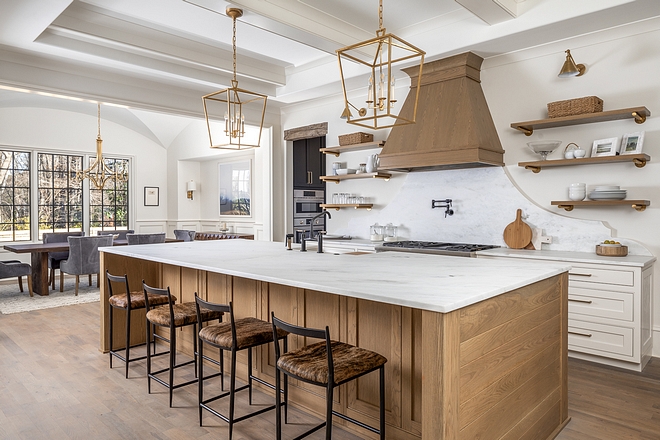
(127, 301)
(173, 316)
(235, 335)
(327, 364)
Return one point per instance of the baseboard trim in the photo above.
(656, 341)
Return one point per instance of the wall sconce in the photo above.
(570, 69)
(190, 187)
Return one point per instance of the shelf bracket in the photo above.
(640, 119)
(566, 207)
(384, 177)
(639, 163)
(639, 208)
(533, 168)
(527, 131)
(335, 153)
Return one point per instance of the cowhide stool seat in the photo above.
(234, 336)
(327, 364)
(173, 316)
(127, 301)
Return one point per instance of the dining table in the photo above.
(39, 259)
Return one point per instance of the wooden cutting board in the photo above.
(518, 234)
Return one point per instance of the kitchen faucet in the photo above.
(303, 242)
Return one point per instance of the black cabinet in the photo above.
(308, 163)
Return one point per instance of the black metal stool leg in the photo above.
(232, 390)
(195, 347)
(286, 388)
(149, 327)
(328, 412)
(200, 379)
(128, 340)
(278, 406)
(250, 376)
(382, 402)
(172, 360)
(110, 336)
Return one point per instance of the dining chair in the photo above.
(55, 258)
(120, 232)
(158, 237)
(15, 268)
(184, 234)
(84, 257)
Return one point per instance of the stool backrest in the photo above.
(119, 279)
(308, 333)
(157, 291)
(224, 308)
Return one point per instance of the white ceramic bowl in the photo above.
(578, 185)
(543, 147)
(579, 153)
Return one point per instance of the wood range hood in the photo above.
(453, 129)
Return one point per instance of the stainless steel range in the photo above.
(435, 247)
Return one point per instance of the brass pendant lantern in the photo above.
(234, 101)
(379, 109)
(98, 172)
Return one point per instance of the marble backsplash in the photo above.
(484, 202)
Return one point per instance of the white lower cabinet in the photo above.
(609, 311)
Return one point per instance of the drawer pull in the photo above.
(580, 301)
(588, 335)
(580, 274)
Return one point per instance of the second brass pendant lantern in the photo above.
(234, 102)
(382, 56)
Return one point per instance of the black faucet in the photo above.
(303, 241)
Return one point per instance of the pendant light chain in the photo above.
(380, 14)
(234, 43)
(98, 117)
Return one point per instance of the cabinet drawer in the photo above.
(605, 276)
(601, 303)
(599, 339)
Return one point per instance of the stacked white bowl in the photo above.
(577, 191)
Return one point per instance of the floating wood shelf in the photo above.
(638, 159)
(336, 179)
(355, 147)
(568, 205)
(338, 206)
(639, 114)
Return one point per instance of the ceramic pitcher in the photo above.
(372, 163)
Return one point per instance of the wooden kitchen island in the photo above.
(476, 348)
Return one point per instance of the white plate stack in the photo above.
(607, 192)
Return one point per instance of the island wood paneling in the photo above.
(495, 369)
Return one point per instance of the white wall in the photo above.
(621, 69)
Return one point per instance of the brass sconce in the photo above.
(190, 187)
(570, 69)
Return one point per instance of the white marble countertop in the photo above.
(576, 257)
(428, 282)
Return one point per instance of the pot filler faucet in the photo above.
(303, 242)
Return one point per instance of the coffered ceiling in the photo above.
(165, 54)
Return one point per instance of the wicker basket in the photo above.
(577, 106)
(355, 138)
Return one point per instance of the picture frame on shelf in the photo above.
(605, 147)
(632, 143)
(151, 195)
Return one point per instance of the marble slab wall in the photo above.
(484, 202)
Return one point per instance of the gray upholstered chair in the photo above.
(84, 256)
(122, 233)
(54, 258)
(15, 268)
(158, 237)
(184, 234)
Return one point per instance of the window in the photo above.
(14, 196)
(60, 197)
(108, 207)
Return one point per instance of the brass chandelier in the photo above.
(234, 101)
(98, 172)
(380, 55)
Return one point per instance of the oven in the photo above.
(306, 205)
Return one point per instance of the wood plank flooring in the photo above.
(55, 384)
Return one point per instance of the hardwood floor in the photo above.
(54, 383)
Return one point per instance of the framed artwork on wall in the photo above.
(605, 147)
(632, 143)
(151, 195)
(235, 188)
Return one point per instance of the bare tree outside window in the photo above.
(60, 196)
(108, 207)
(14, 196)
